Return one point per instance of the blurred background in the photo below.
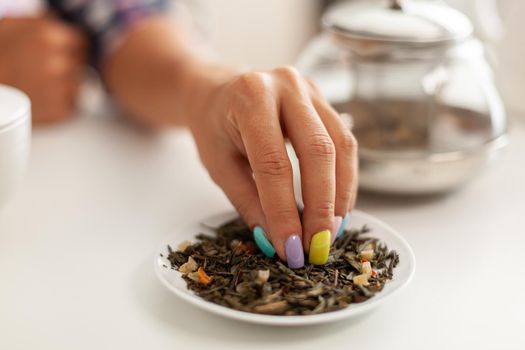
(457, 109)
(261, 34)
(427, 89)
(265, 33)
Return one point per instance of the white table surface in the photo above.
(77, 244)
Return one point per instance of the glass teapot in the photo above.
(424, 108)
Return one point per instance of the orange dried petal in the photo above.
(247, 248)
(203, 277)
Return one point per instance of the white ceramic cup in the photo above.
(15, 138)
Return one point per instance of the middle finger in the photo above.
(316, 152)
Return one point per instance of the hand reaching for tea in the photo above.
(242, 130)
(45, 58)
(240, 122)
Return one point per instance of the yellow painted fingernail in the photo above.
(319, 248)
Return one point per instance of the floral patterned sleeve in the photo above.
(106, 20)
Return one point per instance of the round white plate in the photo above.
(403, 273)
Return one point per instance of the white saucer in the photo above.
(403, 273)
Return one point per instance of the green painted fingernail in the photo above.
(262, 242)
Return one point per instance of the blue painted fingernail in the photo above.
(294, 252)
(343, 225)
(262, 242)
(335, 229)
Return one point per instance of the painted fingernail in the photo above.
(262, 242)
(343, 225)
(319, 248)
(294, 252)
(335, 230)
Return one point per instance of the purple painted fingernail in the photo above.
(294, 252)
(337, 224)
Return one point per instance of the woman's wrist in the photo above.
(169, 85)
(201, 84)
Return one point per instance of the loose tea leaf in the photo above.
(227, 269)
(383, 124)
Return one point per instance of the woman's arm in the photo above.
(240, 122)
(158, 76)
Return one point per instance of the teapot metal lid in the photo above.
(397, 22)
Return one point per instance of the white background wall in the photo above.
(260, 33)
(265, 33)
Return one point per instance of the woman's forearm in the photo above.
(239, 123)
(157, 76)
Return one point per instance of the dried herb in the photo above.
(404, 125)
(227, 269)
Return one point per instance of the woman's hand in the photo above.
(45, 58)
(240, 131)
(240, 123)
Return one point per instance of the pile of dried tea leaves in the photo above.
(229, 270)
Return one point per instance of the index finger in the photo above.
(263, 139)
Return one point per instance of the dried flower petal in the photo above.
(366, 268)
(194, 276)
(183, 245)
(247, 248)
(361, 280)
(262, 276)
(203, 277)
(189, 266)
(367, 254)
